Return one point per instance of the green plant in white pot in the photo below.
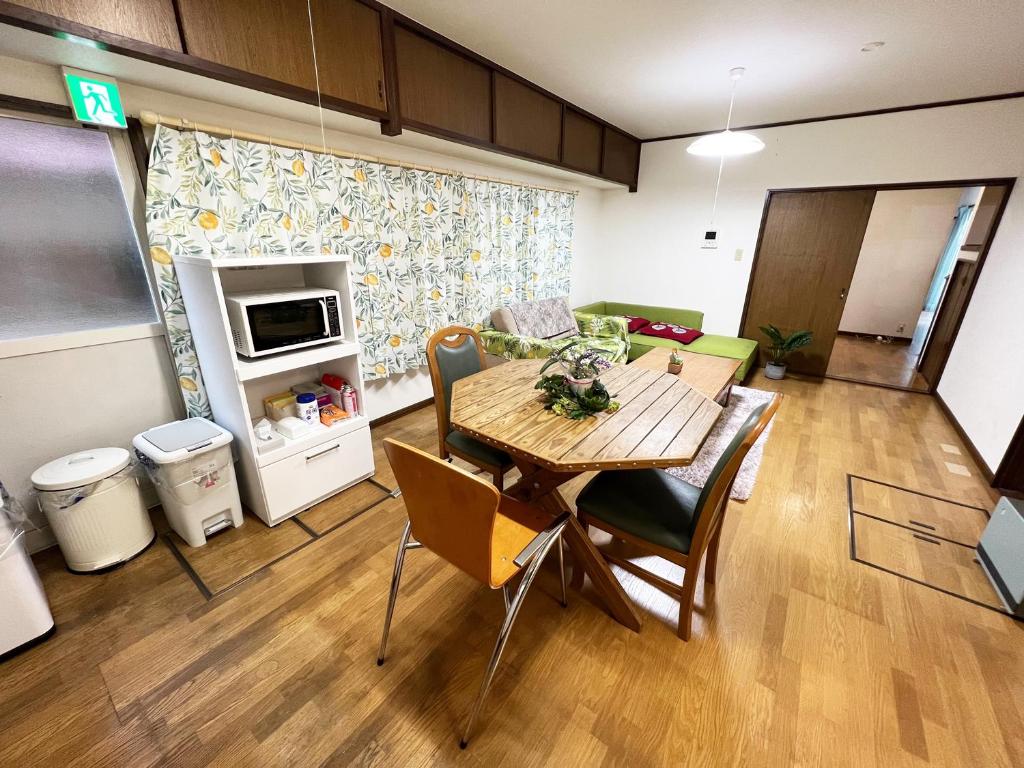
(780, 348)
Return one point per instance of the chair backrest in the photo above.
(451, 511)
(714, 497)
(452, 354)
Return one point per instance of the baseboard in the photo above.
(400, 412)
(872, 336)
(986, 472)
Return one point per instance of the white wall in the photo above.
(56, 403)
(650, 241)
(906, 233)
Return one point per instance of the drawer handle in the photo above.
(324, 452)
(925, 538)
(922, 525)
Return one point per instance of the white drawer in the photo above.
(298, 482)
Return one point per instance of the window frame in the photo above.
(135, 201)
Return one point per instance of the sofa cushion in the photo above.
(678, 333)
(503, 320)
(545, 319)
(636, 323)
(512, 347)
(688, 317)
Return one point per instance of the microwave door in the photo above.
(278, 325)
(327, 319)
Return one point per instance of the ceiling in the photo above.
(660, 67)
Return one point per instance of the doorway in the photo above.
(881, 274)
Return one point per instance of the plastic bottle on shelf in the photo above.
(307, 407)
(349, 401)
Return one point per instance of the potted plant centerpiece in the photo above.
(578, 392)
(675, 362)
(780, 348)
(582, 366)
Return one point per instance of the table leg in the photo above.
(585, 554)
(539, 486)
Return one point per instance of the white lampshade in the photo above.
(726, 144)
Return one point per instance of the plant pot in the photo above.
(675, 368)
(579, 386)
(775, 371)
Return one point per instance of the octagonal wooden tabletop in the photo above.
(662, 421)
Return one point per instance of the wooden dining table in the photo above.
(662, 422)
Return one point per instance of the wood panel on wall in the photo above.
(373, 62)
(273, 40)
(525, 119)
(621, 157)
(581, 142)
(151, 21)
(348, 51)
(441, 88)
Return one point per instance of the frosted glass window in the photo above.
(69, 255)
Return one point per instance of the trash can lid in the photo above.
(175, 441)
(79, 469)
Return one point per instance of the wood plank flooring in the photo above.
(863, 359)
(800, 656)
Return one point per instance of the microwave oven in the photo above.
(267, 322)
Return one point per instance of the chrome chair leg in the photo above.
(506, 628)
(403, 545)
(561, 571)
(506, 597)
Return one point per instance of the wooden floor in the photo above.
(803, 657)
(864, 359)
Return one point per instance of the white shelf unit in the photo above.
(306, 470)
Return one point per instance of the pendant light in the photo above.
(727, 143)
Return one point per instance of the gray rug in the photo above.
(742, 401)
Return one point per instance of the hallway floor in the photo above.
(863, 359)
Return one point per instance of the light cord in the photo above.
(316, 75)
(721, 158)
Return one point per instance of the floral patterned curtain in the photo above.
(428, 249)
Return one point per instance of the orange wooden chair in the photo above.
(468, 522)
(452, 354)
(669, 517)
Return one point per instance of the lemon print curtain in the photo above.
(428, 249)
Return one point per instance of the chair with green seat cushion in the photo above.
(669, 517)
(454, 353)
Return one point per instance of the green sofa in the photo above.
(744, 350)
(546, 325)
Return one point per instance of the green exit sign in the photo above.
(95, 99)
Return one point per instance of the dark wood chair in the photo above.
(452, 354)
(661, 514)
(468, 522)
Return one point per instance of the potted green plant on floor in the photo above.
(780, 348)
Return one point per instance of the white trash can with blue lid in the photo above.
(95, 509)
(190, 464)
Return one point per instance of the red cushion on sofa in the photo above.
(670, 331)
(636, 323)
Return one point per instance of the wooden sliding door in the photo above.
(805, 260)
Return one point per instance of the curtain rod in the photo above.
(152, 118)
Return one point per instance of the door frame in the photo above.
(1003, 181)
